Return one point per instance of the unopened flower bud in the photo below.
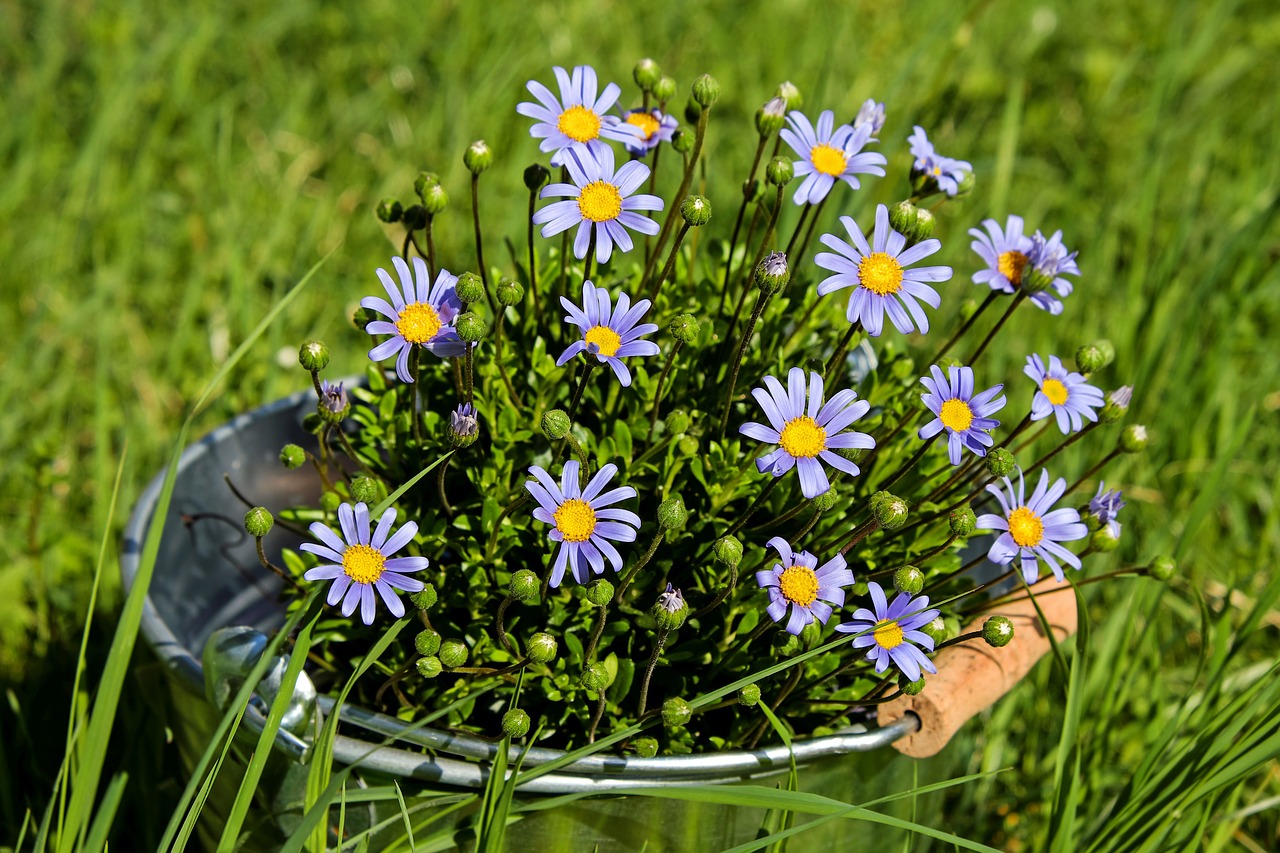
(678, 422)
(786, 644)
(555, 424)
(676, 712)
(313, 356)
(427, 642)
(870, 113)
(329, 501)
(333, 404)
(968, 308)
(682, 141)
(541, 648)
(645, 747)
(706, 91)
(749, 695)
(670, 610)
(1134, 439)
(362, 317)
(914, 223)
(435, 200)
(889, 510)
(464, 426)
(1089, 359)
(595, 677)
(470, 327)
(911, 688)
(292, 456)
(728, 550)
(469, 288)
(536, 176)
(664, 90)
(646, 74)
(1104, 540)
(1117, 405)
(509, 292)
(515, 723)
(477, 157)
(771, 117)
(773, 273)
(389, 210)
(430, 667)
(696, 210)
(258, 521)
(790, 95)
(524, 585)
(997, 631)
(671, 513)
(1162, 568)
(935, 629)
(687, 445)
(424, 181)
(908, 579)
(364, 490)
(425, 598)
(827, 500)
(963, 521)
(780, 171)
(1001, 462)
(685, 328)
(964, 186)
(415, 217)
(453, 653)
(600, 592)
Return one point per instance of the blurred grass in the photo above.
(169, 169)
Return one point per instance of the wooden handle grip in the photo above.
(973, 675)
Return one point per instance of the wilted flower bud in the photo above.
(773, 273)
(914, 223)
(555, 424)
(469, 288)
(364, 490)
(1089, 359)
(333, 404)
(425, 598)
(258, 521)
(645, 747)
(435, 200)
(453, 653)
(825, 501)
(790, 95)
(600, 592)
(935, 629)
(664, 90)
(509, 292)
(292, 456)
(1134, 439)
(430, 667)
(670, 609)
(1104, 539)
(470, 327)
(427, 642)
(963, 521)
(646, 74)
(908, 579)
(696, 210)
(389, 210)
(671, 513)
(594, 677)
(911, 688)
(515, 723)
(477, 157)
(728, 550)
(678, 422)
(1162, 568)
(1001, 462)
(997, 631)
(423, 182)
(1117, 405)
(542, 648)
(313, 356)
(676, 712)
(415, 217)
(706, 91)
(771, 117)
(524, 585)
(780, 171)
(889, 510)
(535, 176)
(681, 141)
(749, 695)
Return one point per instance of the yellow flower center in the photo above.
(1055, 391)
(937, 171)
(576, 520)
(956, 415)
(600, 201)
(803, 438)
(799, 585)
(828, 160)
(579, 124)
(1011, 264)
(646, 122)
(605, 339)
(362, 563)
(418, 323)
(880, 274)
(1025, 527)
(888, 634)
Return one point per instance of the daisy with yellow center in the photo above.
(796, 582)
(964, 415)
(419, 314)
(359, 562)
(585, 523)
(828, 154)
(807, 435)
(942, 174)
(890, 632)
(1032, 529)
(1066, 395)
(609, 333)
(653, 128)
(1003, 251)
(579, 118)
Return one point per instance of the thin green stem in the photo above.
(671, 263)
(444, 501)
(837, 357)
(699, 135)
(755, 504)
(475, 216)
(964, 327)
(761, 301)
(591, 255)
(431, 248)
(1017, 300)
(533, 264)
(737, 223)
(662, 378)
(795, 235)
(648, 672)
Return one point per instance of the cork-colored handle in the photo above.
(973, 675)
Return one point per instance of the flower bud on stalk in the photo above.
(292, 456)
(682, 142)
(773, 273)
(963, 521)
(935, 629)
(1104, 540)
(453, 653)
(827, 500)
(464, 426)
(430, 667)
(911, 688)
(676, 712)
(313, 356)
(1117, 405)
(423, 182)
(670, 610)
(706, 91)
(688, 445)
(997, 631)
(435, 200)
(542, 648)
(908, 579)
(684, 328)
(333, 404)
(477, 157)
(364, 490)
(1089, 359)
(696, 210)
(389, 210)
(771, 117)
(536, 176)
(524, 585)
(515, 723)
(790, 95)
(599, 592)
(914, 223)
(1162, 568)
(646, 74)
(1134, 439)
(890, 511)
(664, 90)
(645, 747)
(595, 677)
(749, 696)
(780, 171)
(469, 288)
(471, 327)
(672, 514)
(258, 522)
(362, 317)
(678, 422)
(1001, 462)
(728, 550)
(415, 217)
(509, 292)
(555, 424)
(968, 180)
(427, 642)
(425, 598)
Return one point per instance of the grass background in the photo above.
(170, 169)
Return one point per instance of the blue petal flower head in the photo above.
(1032, 528)
(599, 199)
(807, 436)
(795, 581)
(871, 114)
(1005, 252)
(359, 563)
(585, 521)
(1105, 506)
(879, 275)
(655, 127)
(964, 415)
(891, 632)
(421, 314)
(944, 171)
(610, 333)
(1047, 261)
(578, 118)
(1066, 395)
(828, 153)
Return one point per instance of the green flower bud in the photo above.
(645, 747)
(427, 642)
(1001, 462)
(670, 610)
(963, 521)
(364, 490)
(947, 362)
(790, 95)
(671, 513)
(423, 182)
(329, 501)
(453, 653)
(728, 550)
(1117, 405)
(914, 223)
(678, 422)
(676, 712)
(430, 667)
(313, 356)
(785, 645)
(477, 157)
(1089, 359)
(773, 273)
(997, 631)
(542, 648)
(646, 74)
(696, 210)
(536, 176)
(600, 592)
(935, 629)
(780, 171)
(1107, 349)
(827, 500)
(509, 292)
(1104, 540)
(1162, 568)
(911, 688)
(908, 579)
(749, 695)
(664, 90)
(968, 180)
(524, 585)
(810, 634)
(469, 288)
(435, 200)
(292, 456)
(258, 521)
(968, 308)
(464, 427)
(771, 117)
(706, 91)
(1134, 439)
(470, 327)
(685, 328)
(595, 677)
(362, 317)
(515, 723)
(681, 141)
(389, 210)
(555, 424)
(687, 445)
(425, 598)
(889, 510)
(415, 217)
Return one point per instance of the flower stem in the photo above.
(267, 564)
(674, 211)
(1017, 300)
(475, 217)
(595, 718)
(737, 224)
(470, 371)
(795, 235)
(500, 623)
(497, 355)
(413, 389)
(860, 534)
(671, 263)
(837, 357)
(964, 327)
(625, 583)
(653, 663)
(761, 301)
(755, 504)
(444, 501)
(497, 524)
(759, 256)
(431, 249)
(591, 255)
(533, 263)
(587, 367)
(662, 378)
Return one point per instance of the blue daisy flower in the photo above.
(578, 118)
(1005, 252)
(1066, 395)
(422, 314)
(655, 127)
(828, 153)
(609, 333)
(1104, 506)
(964, 415)
(1032, 528)
(796, 580)
(1047, 261)
(870, 113)
(583, 519)
(891, 632)
(944, 171)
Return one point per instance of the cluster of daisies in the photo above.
(804, 429)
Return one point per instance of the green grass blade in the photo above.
(106, 813)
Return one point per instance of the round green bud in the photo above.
(645, 747)
(292, 456)
(811, 633)
(773, 273)
(681, 141)
(785, 645)
(1117, 405)
(430, 667)
(427, 642)
(453, 653)
(329, 501)
(595, 677)
(678, 422)
(1089, 359)
(469, 288)
(728, 550)
(911, 688)
(524, 585)
(1134, 439)
(968, 308)
(664, 90)
(389, 210)
(963, 521)
(415, 217)
(646, 74)
(470, 327)
(515, 723)
(965, 185)
(908, 579)
(924, 226)
(670, 610)
(258, 521)
(477, 157)
(935, 629)
(509, 292)
(890, 511)
(435, 200)
(600, 592)
(362, 317)
(1107, 349)
(914, 223)
(542, 648)
(790, 95)
(706, 91)
(827, 500)
(1104, 540)
(687, 445)
(313, 356)
(424, 181)
(425, 598)
(1001, 462)
(780, 171)
(685, 328)
(997, 631)
(676, 712)
(536, 176)
(1162, 568)
(696, 210)
(671, 513)
(555, 424)
(364, 490)
(771, 117)
(749, 695)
